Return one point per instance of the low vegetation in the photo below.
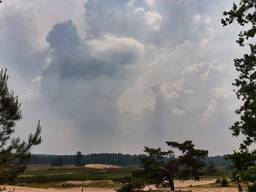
(55, 177)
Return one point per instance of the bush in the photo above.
(132, 186)
(218, 180)
(126, 188)
(68, 185)
(252, 188)
(224, 182)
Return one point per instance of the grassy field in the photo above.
(97, 177)
(63, 176)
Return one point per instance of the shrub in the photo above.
(218, 180)
(224, 182)
(252, 188)
(68, 185)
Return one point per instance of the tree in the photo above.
(211, 169)
(58, 162)
(160, 166)
(78, 159)
(244, 13)
(14, 153)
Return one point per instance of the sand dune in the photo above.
(102, 166)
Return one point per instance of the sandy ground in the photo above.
(184, 185)
(193, 183)
(28, 189)
(216, 190)
(101, 166)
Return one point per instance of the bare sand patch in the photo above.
(30, 189)
(102, 166)
(215, 190)
(193, 183)
(189, 185)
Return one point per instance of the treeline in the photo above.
(110, 158)
(219, 162)
(102, 158)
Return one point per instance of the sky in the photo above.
(118, 75)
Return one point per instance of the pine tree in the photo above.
(211, 168)
(14, 152)
(159, 166)
(78, 159)
(244, 14)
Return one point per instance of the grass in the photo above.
(55, 177)
(46, 177)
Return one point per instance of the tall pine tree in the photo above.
(159, 166)
(244, 14)
(14, 152)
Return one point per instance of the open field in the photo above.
(27, 189)
(68, 176)
(201, 186)
(94, 178)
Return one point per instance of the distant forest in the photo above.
(110, 158)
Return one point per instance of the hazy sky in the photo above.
(116, 75)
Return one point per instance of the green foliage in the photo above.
(100, 158)
(132, 186)
(210, 168)
(158, 165)
(244, 14)
(14, 153)
(252, 188)
(54, 176)
(249, 175)
(127, 188)
(190, 162)
(219, 162)
(242, 160)
(78, 159)
(58, 162)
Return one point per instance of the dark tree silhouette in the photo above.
(160, 166)
(58, 162)
(14, 152)
(211, 168)
(244, 14)
(78, 159)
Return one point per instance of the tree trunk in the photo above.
(240, 189)
(171, 183)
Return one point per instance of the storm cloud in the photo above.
(113, 76)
